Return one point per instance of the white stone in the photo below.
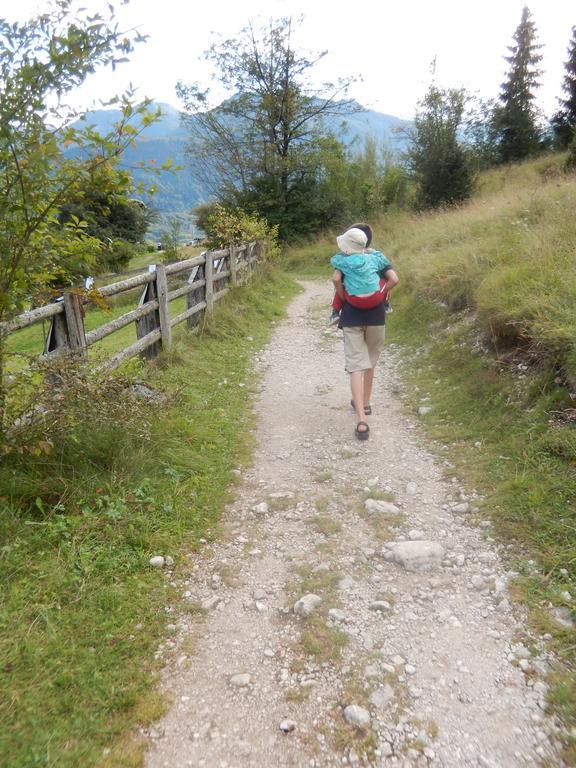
(379, 507)
(386, 749)
(424, 410)
(241, 681)
(306, 605)
(411, 489)
(563, 616)
(157, 561)
(463, 507)
(337, 615)
(358, 716)
(381, 697)
(260, 509)
(415, 535)
(210, 602)
(416, 555)
(379, 605)
(287, 726)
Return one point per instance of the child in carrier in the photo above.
(363, 287)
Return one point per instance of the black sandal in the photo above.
(367, 408)
(364, 433)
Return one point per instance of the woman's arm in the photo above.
(338, 285)
(391, 278)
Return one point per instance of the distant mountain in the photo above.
(180, 191)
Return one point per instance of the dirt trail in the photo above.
(432, 652)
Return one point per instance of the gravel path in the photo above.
(404, 650)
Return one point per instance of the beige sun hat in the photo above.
(352, 241)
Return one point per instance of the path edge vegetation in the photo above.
(84, 610)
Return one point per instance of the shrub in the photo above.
(68, 424)
(225, 226)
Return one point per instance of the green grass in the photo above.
(77, 673)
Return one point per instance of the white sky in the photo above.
(389, 44)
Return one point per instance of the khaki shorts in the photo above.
(362, 346)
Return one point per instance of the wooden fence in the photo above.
(204, 280)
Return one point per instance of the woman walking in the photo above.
(360, 269)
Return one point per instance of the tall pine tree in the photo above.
(516, 117)
(564, 121)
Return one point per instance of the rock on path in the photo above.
(404, 603)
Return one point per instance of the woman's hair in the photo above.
(367, 229)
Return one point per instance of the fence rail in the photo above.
(206, 277)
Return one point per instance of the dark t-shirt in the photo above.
(351, 317)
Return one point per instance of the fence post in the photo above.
(162, 291)
(233, 262)
(196, 296)
(209, 277)
(74, 315)
(148, 323)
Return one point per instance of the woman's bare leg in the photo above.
(368, 379)
(357, 387)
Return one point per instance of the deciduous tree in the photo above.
(262, 148)
(42, 61)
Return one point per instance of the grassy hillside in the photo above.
(485, 317)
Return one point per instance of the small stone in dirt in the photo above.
(287, 726)
(382, 696)
(371, 671)
(563, 616)
(346, 582)
(462, 507)
(259, 594)
(415, 535)
(379, 507)
(424, 410)
(306, 605)
(379, 605)
(411, 489)
(416, 555)
(269, 653)
(386, 749)
(410, 670)
(240, 681)
(358, 716)
(210, 602)
(398, 661)
(157, 561)
(260, 509)
(336, 614)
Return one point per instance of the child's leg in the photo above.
(337, 303)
